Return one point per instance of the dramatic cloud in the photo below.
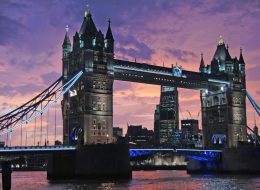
(181, 55)
(11, 32)
(131, 47)
(9, 90)
(51, 77)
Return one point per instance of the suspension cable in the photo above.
(34, 130)
(41, 128)
(55, 120)
(13, 119)
(255, 106)
(47, 127)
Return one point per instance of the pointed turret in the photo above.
(202, 64)
(66, 50)
(88, 29)
(241, 59)
(109, 40)
(221, 51)
(109, 34)
(66, 46)
(228, 57)
(66, 41)
(241, 63)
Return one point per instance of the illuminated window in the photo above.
(94, 42)
(81, 43)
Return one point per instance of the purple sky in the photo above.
(153, 31)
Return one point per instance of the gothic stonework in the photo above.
(87, 109)
(224, 108)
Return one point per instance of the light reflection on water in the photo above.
(142, 180)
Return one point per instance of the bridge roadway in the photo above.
(198, 154)
(151, 74)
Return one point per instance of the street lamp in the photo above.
(107, 138)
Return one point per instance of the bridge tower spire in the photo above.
(66, 50)
(241, 58)
(109, 40)
(88, 30)
(202, 64)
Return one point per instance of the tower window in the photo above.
(99, 107)
(216, 100)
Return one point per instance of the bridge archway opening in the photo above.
(135, 112)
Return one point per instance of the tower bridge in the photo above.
(88, 114)
(86, 88)
(89, 70)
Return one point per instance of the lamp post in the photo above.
(107, 138)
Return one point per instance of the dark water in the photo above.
(142, 180)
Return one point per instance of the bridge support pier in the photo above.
(6, 175)
(100, 161)
(241, 160)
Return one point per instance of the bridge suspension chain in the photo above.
(36, 106)
(254, 104)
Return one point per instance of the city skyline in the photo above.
(34, 47)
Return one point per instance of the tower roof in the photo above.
(88, 27)
(109, 34)
(241, 59)
(228, 57)
(221, 51)
(202, 64)
(66, 41)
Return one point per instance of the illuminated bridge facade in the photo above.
(86, 86)
(88, 108)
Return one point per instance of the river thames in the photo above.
(142, 180)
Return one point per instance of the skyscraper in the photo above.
(157, 125)
(167, 116)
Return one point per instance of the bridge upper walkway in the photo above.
(175, 76)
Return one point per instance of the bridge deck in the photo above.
(151, 74)
(189, 153)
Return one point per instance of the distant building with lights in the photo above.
(189, 127)
(117, 134)
(117, 131)
(157, 126)
(139, 136)
(166, 117)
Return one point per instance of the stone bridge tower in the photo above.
(87, 108)
(224, 108)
